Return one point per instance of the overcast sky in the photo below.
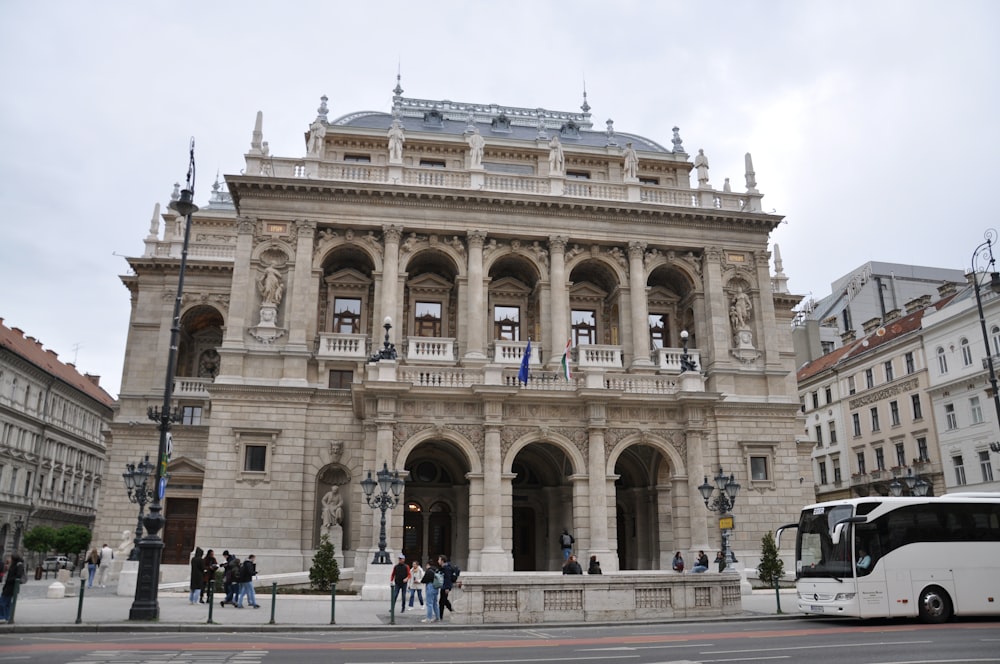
(873, 125)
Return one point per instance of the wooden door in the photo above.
(178, 535)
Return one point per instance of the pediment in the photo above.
(510, 287)
(348, 278)
(183, 467)
(587, 291)
(429, 283)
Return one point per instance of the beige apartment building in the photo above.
(456, 236)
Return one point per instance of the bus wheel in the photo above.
(935, 605)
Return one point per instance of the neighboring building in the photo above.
(873, 292)
(960, 394)
(52, 448)
(867, 411)
(474, 231)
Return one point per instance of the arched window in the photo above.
(995, 334)
(942, 361)
(966, 352)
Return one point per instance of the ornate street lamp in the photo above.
(983, 251)
(687, 364)
(136, 478)
(723, 505)
(389, 487)
(916, 485)
(388, 351)
(145, 605)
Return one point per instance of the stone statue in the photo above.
(125, 546)
(740, 311)
(333, 508)
(701, 163)
(557, 160)
(476, 143)
(270, 286)
(396, 140)
(631, 163)
(317, 136)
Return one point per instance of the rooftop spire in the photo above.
(258, 133)
(585, 107)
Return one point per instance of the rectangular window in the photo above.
(874, 414)
(341, 379)
(959, 470)
(507, 323)
(577, 175)
(584, 327)
(819, 435)
(657, 330)
(850, 385)
(984, 466)
(191, 415)
(828, 393)
(432, 163)
(833, 432)
(908, 360)
(951, 419)
(347, 315)
(357, 159)
(255, 459)
(13, 482)
(815, 400)
(427, 320)
(861, 462)
(879, 458)
(894, 413)
(888, 372)
(922, 453)
(650, 181)
(27, 485)
(856, 421)
(918, 413)
(758, 469)
(942, 361)
(975, 410)
(869, 378)
(900, 455)
(822, 472)
(836, 471)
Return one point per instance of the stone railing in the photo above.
(342, 346)
(196, 388)
(641, 384)
(596, 356)
(544, 597)
(440, 377)
(511, 352)
(669, 359)
(430, 349)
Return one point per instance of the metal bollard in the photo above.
(79, 606)
(13, 601)
(392, 608)
(211, 600)
(333, 604)
(274, 598)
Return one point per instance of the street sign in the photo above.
(726, 522)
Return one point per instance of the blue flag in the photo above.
(523, 375)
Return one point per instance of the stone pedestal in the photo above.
(378, 585)
(127, 578)
(56, 591)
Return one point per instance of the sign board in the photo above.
(726, 522)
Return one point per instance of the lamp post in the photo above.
(389, 486)
(136, 478)
(915, 484)
(687, 364)
(985, 250)
(723, 505)
(388, 350)
(18, 529)
(145, 605)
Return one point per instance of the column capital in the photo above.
(557, 243)
(392, 233)
(476, 238)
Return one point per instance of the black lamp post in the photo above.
(389, 486)
(916, 485)
(388, 350)
(687, 364)
(18, 529)
(136, 478)
(723, 505)
(982, 251)
(145, 605)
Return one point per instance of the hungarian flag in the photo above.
(523, 375)
(565, 360)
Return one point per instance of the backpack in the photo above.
(454, 573)
(438, 579)
(566, 540)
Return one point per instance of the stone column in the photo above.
(300, 303)
(717, 316)
(639, 305)
(476, 327)
(682, 518)
(596, 481)
(764, 305)
(240, 303)
(696, 475)
(494, 558)
(375, 585)
(390, 287)
(560, 300)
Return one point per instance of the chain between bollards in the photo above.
(79, 605)
(274, 599)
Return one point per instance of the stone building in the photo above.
(455, 237)
(53, 422)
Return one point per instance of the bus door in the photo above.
(869, 575)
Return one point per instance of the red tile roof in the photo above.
(30, 349)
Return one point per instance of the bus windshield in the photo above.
(817, 554)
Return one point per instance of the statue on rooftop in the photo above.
(317, 139)
(701, 163)
(396, 140)
(631, 171)
(557, 160)
(476, 145)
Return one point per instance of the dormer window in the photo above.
(433, 118)
(501, 123)
(570, 130)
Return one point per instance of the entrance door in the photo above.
(524, 540)
(413, 535)
(178, 535)
(439, 537)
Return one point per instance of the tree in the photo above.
(71, 540)
(40, 539)
(771, 567)
(324, 572)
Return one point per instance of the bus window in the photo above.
(817, 553)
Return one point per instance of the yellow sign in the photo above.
(725, 523)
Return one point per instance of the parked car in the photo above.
(53, 563)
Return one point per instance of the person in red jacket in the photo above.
(400, 576)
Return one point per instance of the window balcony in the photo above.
(191, 388)
(511, 352)
(669, 359)
(599, 357)
(342, 346)
(430, 349)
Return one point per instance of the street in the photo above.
(798, 640)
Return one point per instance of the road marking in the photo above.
(832, 645)
(679, 645)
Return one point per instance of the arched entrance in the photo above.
(542, 505)
(435, 520)
(642, 507)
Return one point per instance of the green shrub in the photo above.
(324, 572)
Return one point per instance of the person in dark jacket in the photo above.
(230, 578)
(595, 566)
(399, 577)
(248, 570)
(450, 573)
(14, 573)
(197, 575)
(572, 566)
(209, 565)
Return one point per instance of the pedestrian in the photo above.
(247, 571)
(15, 571)
(450, 573)
(595, 566)
(566, 543)
(230, 578)
(93, 560)
(702, 563)
(720, 560)
(104, 567)
(678, 562)
(433, 579)
(209, 565)
(399, 577)
(571, 566)
(416, 585)
(197, 575)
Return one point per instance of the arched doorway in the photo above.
(642, 507)
(435, 520)
(542, 505)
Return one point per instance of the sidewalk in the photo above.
(103, 610)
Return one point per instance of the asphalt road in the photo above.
(811, 640)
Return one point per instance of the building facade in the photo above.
(53, 422)
(455, 237)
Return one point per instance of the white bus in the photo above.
(883, 557)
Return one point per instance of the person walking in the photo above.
(432, 580)
(566, 543)
(93, 560)
(230, 578)
(248, 570)
(209, 565)
(197, 575)
(399, 577)
(15, 571)
(450, 573)
(104, 568)
(416, 585)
